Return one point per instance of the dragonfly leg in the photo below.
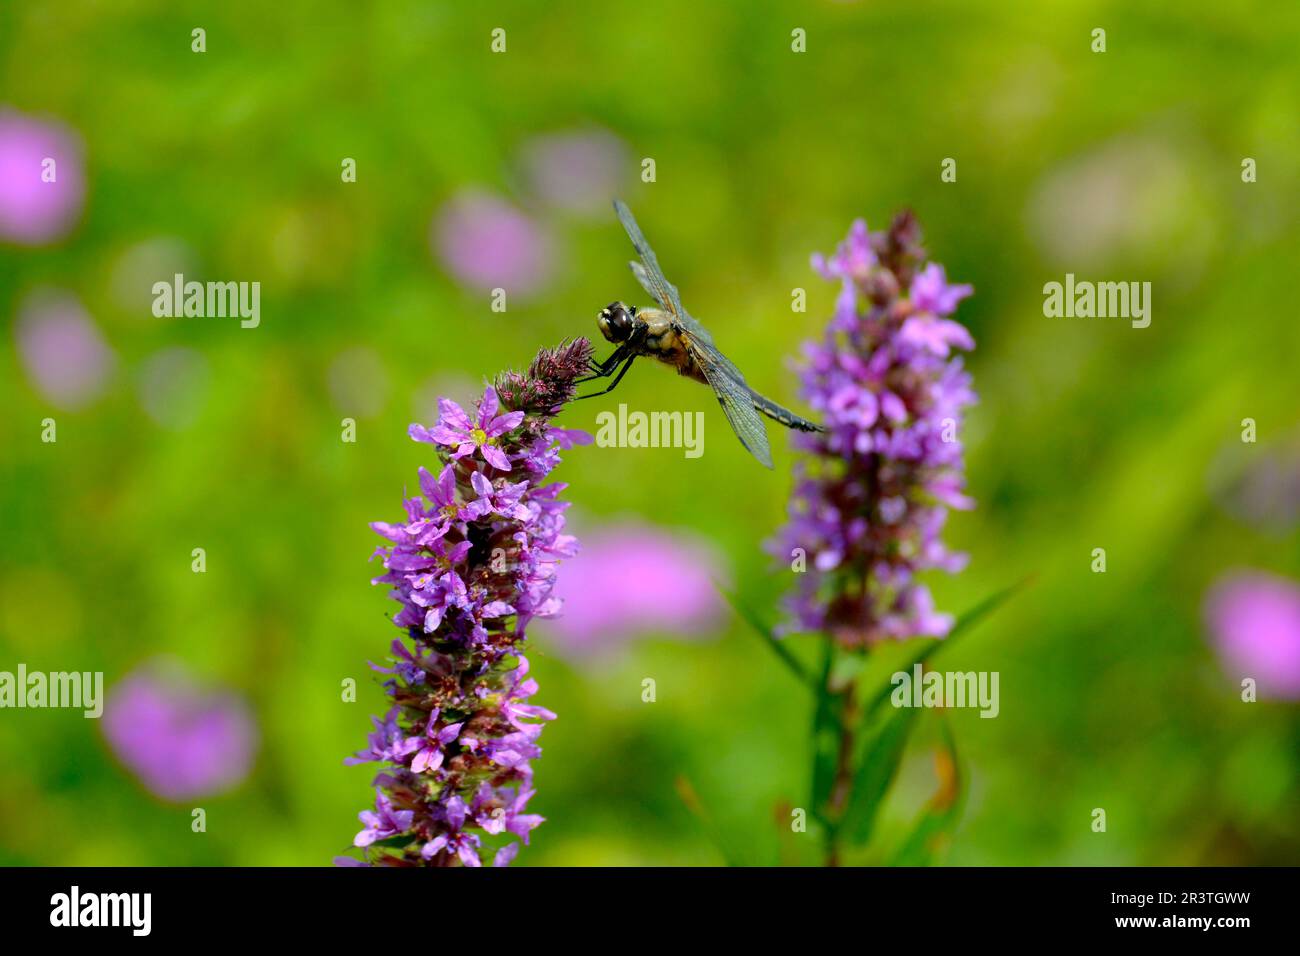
(606, 368)
(618, 378)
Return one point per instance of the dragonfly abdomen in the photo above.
(781, 414)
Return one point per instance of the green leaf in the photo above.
(826, 731)
(760, 628)
(691, 798)
(942, 814)
(877, 768)
(879, 761)
(963, 624)
(401, 840)
(847, 669)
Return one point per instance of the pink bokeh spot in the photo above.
(181, 741)
(486, 243)
(636, 579)
(62, 351)
(579, 171)
(1254, 619)
(34, 211)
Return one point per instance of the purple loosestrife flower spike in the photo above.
(869, 505)
(471, 563)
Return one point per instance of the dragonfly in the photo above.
(670, 334)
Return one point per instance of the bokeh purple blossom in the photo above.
(62, 351)
(576, 171)
(472, 562)
(607, 601)
(1254, 619)
(181, 740)
(486, 243)
(38, 203)
(870, 502)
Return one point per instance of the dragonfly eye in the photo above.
(615, 322)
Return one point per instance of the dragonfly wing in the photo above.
(643, 277)
(733, 394)
(724, 378)
(652, 277)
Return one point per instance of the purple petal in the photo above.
(444, 435)
(451, 414)
(503, 423)
(482, 487)
(487, 406)
(496, 457)
(505, 855)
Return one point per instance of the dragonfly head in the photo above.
(615, 321)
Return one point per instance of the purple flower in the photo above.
(181, 741)
(388, 742)
(935, 335)
(444, 508)
(382, 822)
(870, 503)
(435, 595)
(1254, 618)
(42, 180)
(462, 845)
(501, 499)
(472, 562)
(931, 292)
(853, 258)
(431, 748)
(455, 429)
(506, 855)
(606, 601)
(498, 810)
(486, 243)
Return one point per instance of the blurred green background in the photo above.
(226, 165)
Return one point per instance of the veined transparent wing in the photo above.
(652, 277)
(733, 395)
(724, 378)
(655, 292)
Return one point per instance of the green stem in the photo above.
(842, 785)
